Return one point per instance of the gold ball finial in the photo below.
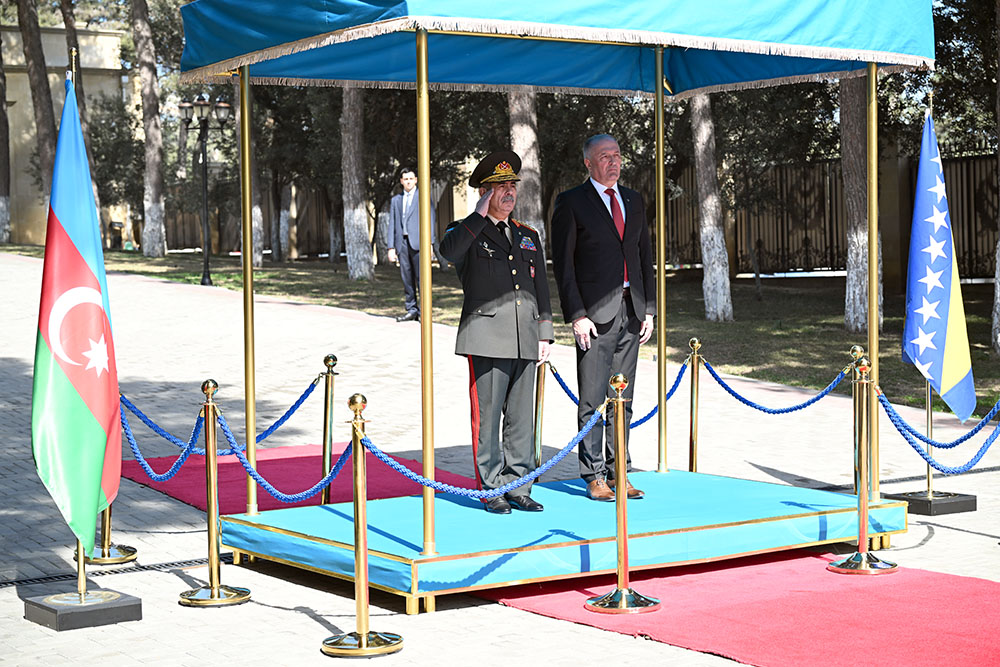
(864, 365)
(618, 382)
(357, 403)
(209, 387)
(330, 360)
(857, 352)
(694, 344)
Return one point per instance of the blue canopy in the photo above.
(587, 46)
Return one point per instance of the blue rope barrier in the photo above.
(263, 483)
(775, 411)
(635, 422)
(935, 443)
(188, 449)
(898, 422)
(481, 494)
(224, 452)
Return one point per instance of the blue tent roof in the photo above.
(583, 46)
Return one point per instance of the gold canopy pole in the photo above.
(661, 276)
(246, 199)
(873, 405)
(426, 314)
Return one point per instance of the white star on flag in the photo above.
(938, 219)
(937, 160)
(928, 310)
(938, 188)
(932, 279)
(97, 356)
(924, 340)
(925, 369)
(935, 249)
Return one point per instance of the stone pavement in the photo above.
(170, 337)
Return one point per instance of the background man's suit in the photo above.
(589, 258)
(404, 236)
(505, 314)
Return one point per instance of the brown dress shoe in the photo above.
(599, 490)
(633, 492)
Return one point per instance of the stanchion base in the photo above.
(350, 644)
(226, 595)
(118, 553)
(862, 563)
(622, 601)
(935, 504)
(70, 611)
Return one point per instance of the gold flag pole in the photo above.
(661, 274)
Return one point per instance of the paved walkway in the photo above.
(170, 337)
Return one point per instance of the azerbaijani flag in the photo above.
(75, 428)
(935, 339)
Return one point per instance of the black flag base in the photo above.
(935, 503)
(71, 611)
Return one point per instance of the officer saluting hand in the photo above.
(506, 327)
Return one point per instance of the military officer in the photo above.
(505, 329)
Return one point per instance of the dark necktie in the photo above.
(502, 228)
(616, 215)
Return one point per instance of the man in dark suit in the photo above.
(603, 263)
(505, 329)
(404, 240)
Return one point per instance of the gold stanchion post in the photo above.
(539, 407)
(695, 345)
(364, 642)
(215, 594)
(862, 561)
(330, 361)
(622, 600)
(111, 554)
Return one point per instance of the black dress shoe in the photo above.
(497, 506)
(412, 315)
(524, 503)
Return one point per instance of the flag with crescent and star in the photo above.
(75, 427)
(935, 339)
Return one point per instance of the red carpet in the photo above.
(787, 609)
(288, 469)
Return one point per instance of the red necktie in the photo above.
(616, 215)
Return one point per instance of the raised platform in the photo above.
(684, 518)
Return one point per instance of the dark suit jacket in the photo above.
(589, 259)
(400, 228)
(506, 309)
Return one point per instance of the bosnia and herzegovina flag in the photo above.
(75, 428)
(935, 339)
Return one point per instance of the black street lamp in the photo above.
(202, 108)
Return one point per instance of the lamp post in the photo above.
(202, 108)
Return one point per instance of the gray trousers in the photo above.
(502, 388)
(615, 350)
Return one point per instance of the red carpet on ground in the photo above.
(289, 469)
(787, 609)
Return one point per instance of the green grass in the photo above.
(795, 335)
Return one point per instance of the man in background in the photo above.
(404, 240)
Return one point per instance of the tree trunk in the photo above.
(73, 44)
(524, 142)
(996, 274)
(335, 228)
(359, 250)
(41, 95)
(284, 211)
(4, 159)
(853, 132)
(382, 236)
(714, 258)
(154, 234)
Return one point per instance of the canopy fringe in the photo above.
(549, 31)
